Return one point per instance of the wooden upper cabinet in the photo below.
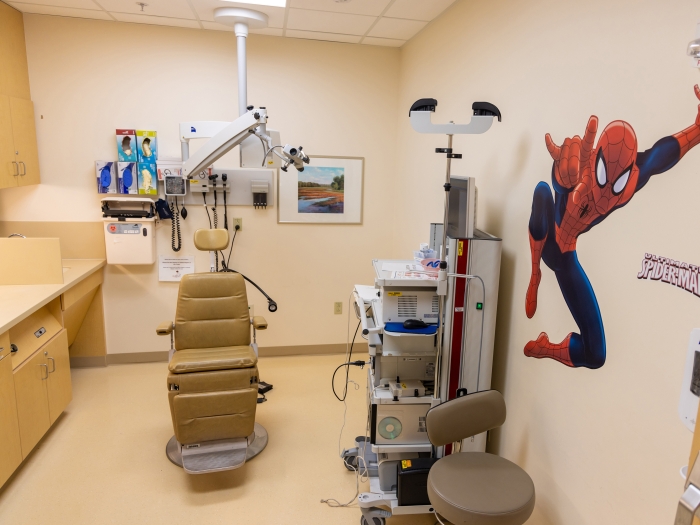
(19, 156)
(9, 168)
(24, 134)
(14, 80)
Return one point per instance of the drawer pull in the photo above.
(4, 356)
(53, 362)
(47, 371)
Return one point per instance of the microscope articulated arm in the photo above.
(223, 142)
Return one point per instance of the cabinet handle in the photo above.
(24, 168)
(53, 362)
(4, 356)
(47, 371)
(16, 174)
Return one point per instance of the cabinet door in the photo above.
(58, 385)
(10, 448)
(9, 169)
(24, 134)
(32, 404)
(14, 80)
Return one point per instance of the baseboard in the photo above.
(162, 357)
(137, 357)
(88, 362)
(340, 348)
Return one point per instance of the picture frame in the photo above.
(330, 190)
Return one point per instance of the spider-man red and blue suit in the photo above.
(590, 182)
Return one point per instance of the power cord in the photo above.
(271, 304)
(347, 364)
(175, 227)
(204, 197)
(224, 178)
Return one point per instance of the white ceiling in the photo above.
(373, 22)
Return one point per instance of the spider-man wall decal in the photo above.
(589, 184)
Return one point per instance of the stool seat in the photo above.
(209, 359)
(475, 488)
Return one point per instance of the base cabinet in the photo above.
(58, 386)
(11, 454)
(43, 390)
(32, 401)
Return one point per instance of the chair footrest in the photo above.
(214, 456)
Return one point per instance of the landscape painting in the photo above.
(321, 189)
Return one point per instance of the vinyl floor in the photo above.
(104, 461)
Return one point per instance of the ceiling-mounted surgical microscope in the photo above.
(482, 119)
(224, 136)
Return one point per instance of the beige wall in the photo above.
(603, 446)
(90, 77)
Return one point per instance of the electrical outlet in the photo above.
(337, 308)
(239, 223)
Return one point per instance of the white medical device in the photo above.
(430, 333)
(252, 121)
(129, 228)
(690, 391)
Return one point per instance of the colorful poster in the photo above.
(589, 181)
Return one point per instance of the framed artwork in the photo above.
(328, 191)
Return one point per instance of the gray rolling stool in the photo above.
(476, 488)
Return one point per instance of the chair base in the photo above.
(219, 459)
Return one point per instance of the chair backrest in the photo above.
(465, 417)
(212, 311)
(212, 240)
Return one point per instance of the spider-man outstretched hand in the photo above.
(589, 184)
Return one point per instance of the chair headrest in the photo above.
(211, 240)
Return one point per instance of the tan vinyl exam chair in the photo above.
(475, 488)
(213, 374)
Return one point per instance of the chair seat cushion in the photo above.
(207, 359)
(477, 488)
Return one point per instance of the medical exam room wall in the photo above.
(602, 446)
(90, 77)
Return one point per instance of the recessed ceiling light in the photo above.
(271, 3)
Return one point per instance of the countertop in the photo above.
(17, 302)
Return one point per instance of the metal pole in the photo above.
(241, 30)
(442, 305)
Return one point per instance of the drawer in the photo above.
(36, 330)
(84, 287)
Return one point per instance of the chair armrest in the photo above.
(259, 323)
(165, 328)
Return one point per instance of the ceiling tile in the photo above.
(371, 41)
(271, 31)
(356, 7)
(330, 37)
(329, 22)
(80, 4)
(205, 10)
(169, 8)
(395, 28)
(418, 9)
(60, 11)
(156, 20)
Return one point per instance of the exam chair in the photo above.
(213, 374)
(475, 488)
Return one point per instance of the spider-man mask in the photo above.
(614, 166)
